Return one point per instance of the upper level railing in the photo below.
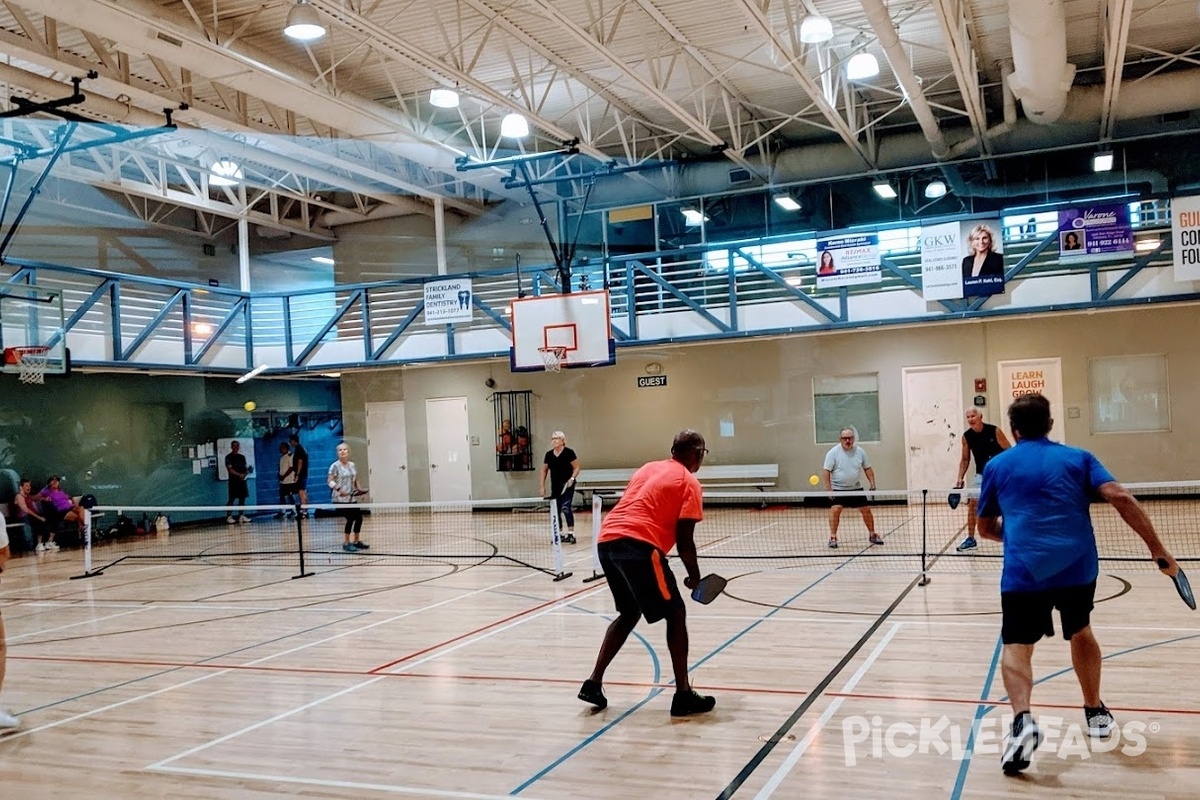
(718, 290)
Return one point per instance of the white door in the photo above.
(449, 449)
(387, 452)
(933, 425)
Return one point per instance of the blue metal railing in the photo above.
(714, 291)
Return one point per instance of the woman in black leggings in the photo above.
(342, 479)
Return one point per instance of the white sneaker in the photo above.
(51, 545)
(1024, 739)
(230, 520)
(41, 548)
(8, 720)
(243, 519)
(1100, 722)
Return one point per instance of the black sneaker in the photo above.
(691, 702)
(591, 692)
(1025, 738)
(361, 546)
(1100, 721)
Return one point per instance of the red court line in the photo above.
(441, 676)
(481, 629)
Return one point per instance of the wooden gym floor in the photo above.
(214, 681)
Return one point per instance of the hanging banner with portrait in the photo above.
(848, 261)
(1097, 233)
(962, 259)
(1034, 376)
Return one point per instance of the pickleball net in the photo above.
(741, 531)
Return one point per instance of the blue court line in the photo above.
(656, 692)
(980, 711)
(988, 708)
(189, 666)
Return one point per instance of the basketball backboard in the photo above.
(576, 325)
(32, 316)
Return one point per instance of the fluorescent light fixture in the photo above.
(254, 373)
(935, 189)
(884, 190)
(323, 260)
(225, 173)
(443, 98)
(514, 126)
(1102, 161)
(201, 328)
(787, 202)
(793, 280)
(303, 23)
(692, 217)
(1146, 245)
(861, 66)
(815, 29)
(331, 374)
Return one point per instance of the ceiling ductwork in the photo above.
(1041, 77)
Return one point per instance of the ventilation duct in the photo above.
(1041, 77)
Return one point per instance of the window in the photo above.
(843, 401)
(1129, 394)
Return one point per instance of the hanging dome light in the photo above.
(303, 23)
(443, 98)
(514, 126)
(935, 189)
(225, 173)
(815, 29)
(861, 66)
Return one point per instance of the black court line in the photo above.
(812, 697)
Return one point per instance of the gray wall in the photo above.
(765, 386)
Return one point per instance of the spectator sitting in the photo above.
(60, 507)
(29, 511)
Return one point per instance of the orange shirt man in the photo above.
(658, 511)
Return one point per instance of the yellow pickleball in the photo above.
(814, 479)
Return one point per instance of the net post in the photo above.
(597, 508)
(556, 540)
(300, 544)
(924, 581)
(88, 572)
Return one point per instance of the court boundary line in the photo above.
(802, 746)
(484, 633)
(534, 679)
(332, 784)
(757, 759)
(148, 695)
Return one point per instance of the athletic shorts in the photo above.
(1028, 615)
(849, 498)
(977, 481)
(639, 578)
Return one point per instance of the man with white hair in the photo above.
(843, 464)
(562, 465)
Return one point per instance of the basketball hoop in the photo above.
(32, 362)
(553, 357)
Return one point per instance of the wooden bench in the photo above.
(723, 476)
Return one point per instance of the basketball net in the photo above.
(33, 363)
(553, 357)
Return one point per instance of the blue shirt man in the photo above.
(1043, 490)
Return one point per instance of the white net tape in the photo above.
(553, 357)
(33, 365)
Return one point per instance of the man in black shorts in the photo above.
(658, 511)
(1043, 489)
(300, 468)
(983, 442)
